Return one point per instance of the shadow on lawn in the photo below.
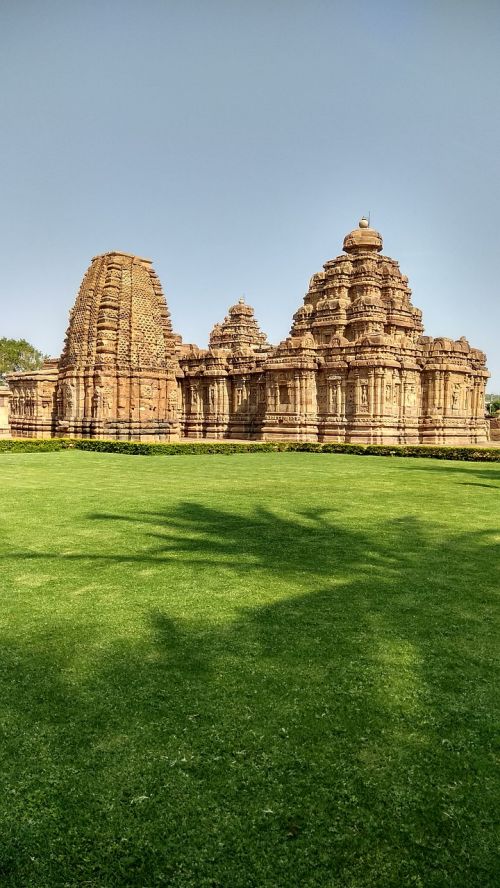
(338, 736)
(478, 470)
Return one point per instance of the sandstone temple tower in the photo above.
(117, 374)
(355, 367)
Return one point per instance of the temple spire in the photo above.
(363, 238)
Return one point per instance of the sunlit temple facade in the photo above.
(356, 366)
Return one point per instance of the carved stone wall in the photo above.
(494, 428)
(4, 411)
(223, 387)
(356, 366)
(33, 401)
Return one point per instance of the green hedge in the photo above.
(32, 445)
(175, 448)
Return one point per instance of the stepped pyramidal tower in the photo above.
(355, 367)
(117, 374)
(117, 371)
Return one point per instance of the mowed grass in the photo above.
(248, 670)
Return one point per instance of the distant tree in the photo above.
(17, 355)
(494, 407)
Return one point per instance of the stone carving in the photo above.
(97, 402)
(355, 367)
(4, 410)
(238, 330)
(68, 399)
(411, 398)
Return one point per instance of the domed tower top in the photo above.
(120, 316)
(363, 238)
(238, 330)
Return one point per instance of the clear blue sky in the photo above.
(235, 143)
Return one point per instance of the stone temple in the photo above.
(355, 367)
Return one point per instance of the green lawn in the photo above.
(257, 670)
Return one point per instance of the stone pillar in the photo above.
(373, 399)
(446, 394)
(343, 397)
(433, 393)
(297, 395)
(303, 396)
(4, 411)
(402, 400)
(479, 398)
(275, 398)
(222, 399)
(380, 391)
(442, 392)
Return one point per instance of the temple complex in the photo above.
(355, 367)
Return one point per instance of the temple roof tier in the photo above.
(239, 330)
(363, 238)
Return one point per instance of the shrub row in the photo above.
(33, 445)
(467, 454)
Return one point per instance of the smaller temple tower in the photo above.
(224, 386)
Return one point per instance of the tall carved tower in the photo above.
(356, 366)
(117, 373)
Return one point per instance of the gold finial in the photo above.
(364, 223)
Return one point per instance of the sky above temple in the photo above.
(235, 143)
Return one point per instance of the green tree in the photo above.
(17, 355)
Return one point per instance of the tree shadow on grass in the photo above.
(467, 469)
(337, 733)
(478, 484)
